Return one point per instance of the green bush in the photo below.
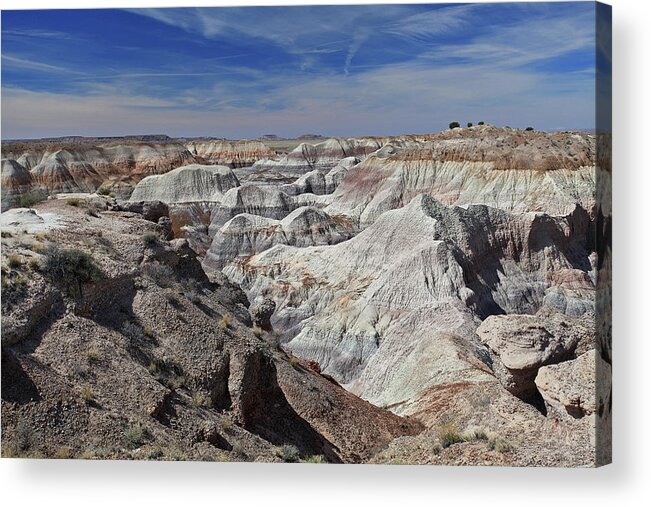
(454, 125)
(289, 453)
(73, 202)
(529, 129)
(136, 436)
(103, 191)
(481, 123)
(150, 239)
(469, 124)
(14, 261)
(449, 435)
(317, 458)
(70, 268)
(29, 199)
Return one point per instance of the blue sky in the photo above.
(334, 70)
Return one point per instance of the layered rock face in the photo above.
(449, 278)
(321, 157)
(230, 153)
(89, 168)
(16, 181)
(245, 234)
(85, 167)
(187, 184)
(143, 357)
(512, 171)
(422, 275)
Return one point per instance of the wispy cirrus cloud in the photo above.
(337, 70)
(23, 63)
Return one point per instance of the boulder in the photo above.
(570, 386)
(261, 311)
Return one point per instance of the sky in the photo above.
(330, 70)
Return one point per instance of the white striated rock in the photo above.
(186, 184)
(245, 234)
(230, 153)
(377, 311)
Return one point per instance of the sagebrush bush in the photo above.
(161, 274)
(103, 191)
(454, 125)
(289, 453)
(73, 202)
(70, 268)
(317, 458)
(150, 239)
(14, 261)
(449, 435)
(29, 199)
(137, 435)
(225, 322)
(87, 394)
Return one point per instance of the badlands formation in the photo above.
(411, 299)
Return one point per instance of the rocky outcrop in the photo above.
(263, 201)
(87, 168)
(321, 157)
(245, 234)
(187, 184)
(261, 311)
(386, 335)
(152, 360)
(569, 387)
(313, 182)
(502, 168)
(16, 181)
(525, 343)
(336, 175)
(230, 153)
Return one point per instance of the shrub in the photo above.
(88, 395)
(227, 424)
(150, 239)
(6, 234)
(499, 444)
(317, 458)
(136, 436)
(529, 129)
(103, 191)
(70, 268)
(176, 382)
(454, 125)
(29, 199)
(449, 435)
(93, 355)
(73, 202)
(257, 330)
(23, 436)
(478, 435)
(198, 399)
(481, 123)
(14, 261)
(63, 453)
(289, 453)
(132, 331)
(469, 124)
(161, 274)
(225, 322)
